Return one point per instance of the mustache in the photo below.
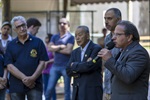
(106, 24)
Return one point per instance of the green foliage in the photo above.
(0, 3)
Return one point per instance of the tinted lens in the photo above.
(60, 23)
(19, 26)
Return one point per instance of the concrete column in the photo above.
(6, 10)
(65, 6)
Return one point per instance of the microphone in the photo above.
(109, 46)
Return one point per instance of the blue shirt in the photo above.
(59, 58)
(1, 65)
(26, 58)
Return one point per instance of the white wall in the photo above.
(134, 14)
(34, 5)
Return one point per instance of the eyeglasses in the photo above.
(22, 25)
(60, 23)
(118, 34)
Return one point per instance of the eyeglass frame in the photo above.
(64, 23)
(118, 34)
(19, 26)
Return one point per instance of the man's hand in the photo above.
(62, 46)
(105, 54)
(89, 59)
(3, 81)
(29, 82)
(1, 86)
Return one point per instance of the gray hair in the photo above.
(117, 12)
(16, 18)
(130, 29)
(85, 28)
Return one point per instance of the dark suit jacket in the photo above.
(87, 83)
(130, 73)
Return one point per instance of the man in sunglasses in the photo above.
(61, 44)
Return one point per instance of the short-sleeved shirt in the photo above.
(59, 58)
(25, 57)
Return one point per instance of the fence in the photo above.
(145, 41)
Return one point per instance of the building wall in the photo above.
(0, 16)
(37, 9)
(100, 11)
(137, 13)
(34, 5)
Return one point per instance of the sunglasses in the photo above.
(60, 23)
(22, 25)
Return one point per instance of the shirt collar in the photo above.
(84, 49)
(9, 37)
(30, 38)
(66, 34)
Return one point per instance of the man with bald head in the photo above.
(112, 17)
(61, 44)
(87, 78)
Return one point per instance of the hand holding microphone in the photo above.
(109, 46)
